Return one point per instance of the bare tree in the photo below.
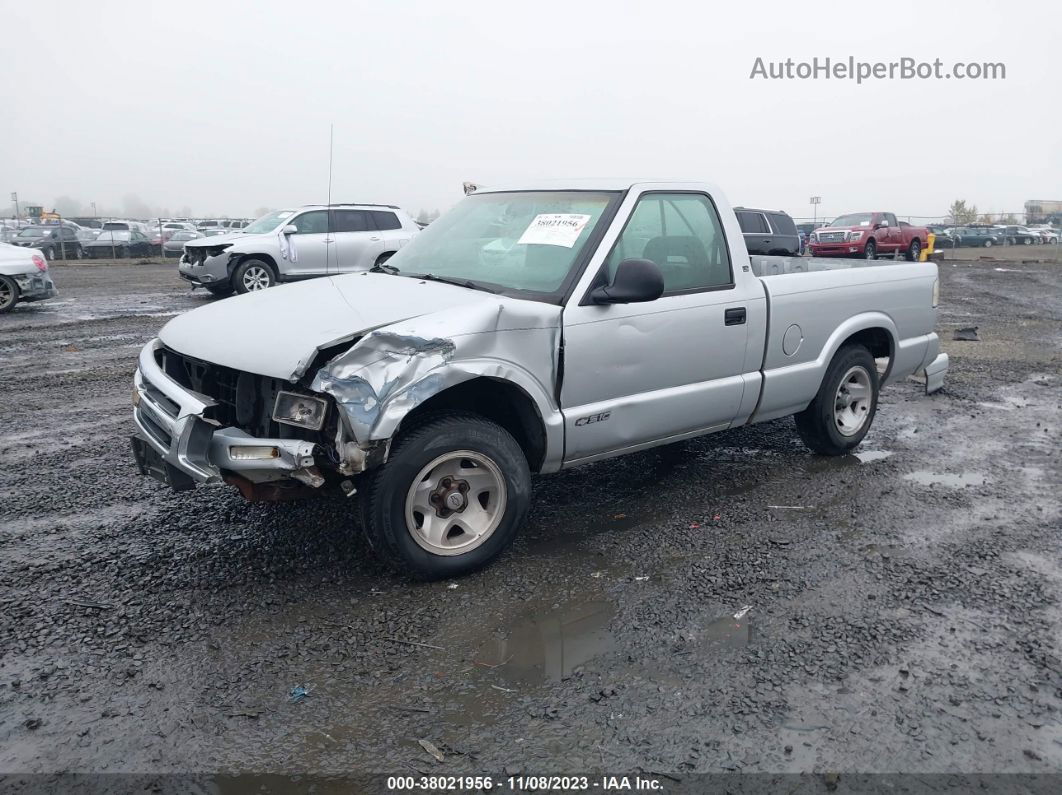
(959, 213)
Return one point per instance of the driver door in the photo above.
(645, 373)
(309, 246)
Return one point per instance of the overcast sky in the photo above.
(225, 107)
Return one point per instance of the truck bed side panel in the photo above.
(813, 310)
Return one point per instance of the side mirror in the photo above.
(290, 229)
(636, 281)
(883, 224)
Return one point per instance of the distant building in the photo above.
(1038, 211)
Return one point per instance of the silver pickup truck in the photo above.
(527, 330)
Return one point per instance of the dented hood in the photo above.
(277, 332)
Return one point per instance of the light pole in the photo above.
(14, 198)
(815, 201)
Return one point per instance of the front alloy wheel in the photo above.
(455, 502)
(453, 493)
(256, 278)
(253, 275)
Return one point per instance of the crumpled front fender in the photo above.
(387, 374)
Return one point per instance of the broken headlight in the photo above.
(301, 411)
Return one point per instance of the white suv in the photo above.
(287, 245)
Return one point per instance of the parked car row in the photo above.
(983, 235)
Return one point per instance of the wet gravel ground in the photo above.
(899, 609)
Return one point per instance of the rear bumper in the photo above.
(35, 286)
(935, 372)
(171, 421)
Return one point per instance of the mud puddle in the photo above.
(547, 645)
(728, 632)
(951, 480)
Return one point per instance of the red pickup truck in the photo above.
(868, 235)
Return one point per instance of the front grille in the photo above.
(831, 237)
(244, 400)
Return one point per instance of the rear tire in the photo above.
(253, 275)
(427, 467)
(988, 244)
(870, 251)
(843, 410)
(914, 251)
(8, 294)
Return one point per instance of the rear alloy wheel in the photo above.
(843, 410)
(988, 244)
(870, 251)
(451, 497)
(253, 275)
(914, 251)
(1027, 241)
(8, 294)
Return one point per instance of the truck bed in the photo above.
(813, 304)
(764, 266)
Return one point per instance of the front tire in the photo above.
(843, 410)
(988, 244)
(8, 294)
(870, 251)
(253, 275)
(219, 290)
(451, 497)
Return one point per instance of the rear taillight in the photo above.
(38, 260)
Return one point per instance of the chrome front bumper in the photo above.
(170, 418)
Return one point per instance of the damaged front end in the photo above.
(201, 423)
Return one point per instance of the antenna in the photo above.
(328, 210)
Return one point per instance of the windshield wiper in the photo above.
(383, 267)
(431, 277)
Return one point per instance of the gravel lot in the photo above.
(903, 603)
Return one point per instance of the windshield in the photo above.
(855, 219)
(31, 233)
(184, 236)
(113, 234)
(115, 225)
(267, 223)
(523, 242)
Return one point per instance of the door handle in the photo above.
(734, 317)
(374, 238)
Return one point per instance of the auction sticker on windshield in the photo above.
(554, 229)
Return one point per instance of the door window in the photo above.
(752, 223)
(385, 221)
(682, 234)
(350, 221)
(312, 223)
